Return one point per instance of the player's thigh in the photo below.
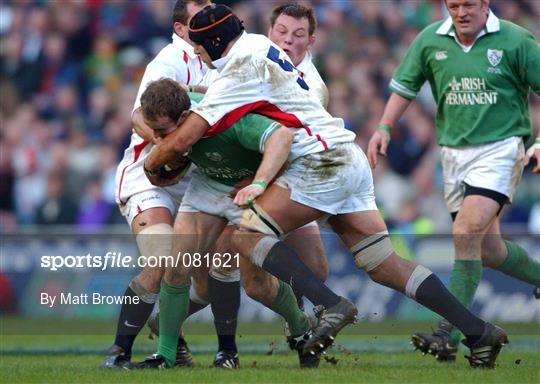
(224, 257)
(475, 215)
(356, 226)
(194, 234)
(196, 231)
(150, 217)
(306, 241)
(287, 213)
(274, 214)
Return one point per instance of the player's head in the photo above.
(182, 13)
(212, 30)
(164, 105)
(292, 27)
(468, 16)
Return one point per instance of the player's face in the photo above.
(468, 16)
(162, 126)
(292, 35)
(205, 57)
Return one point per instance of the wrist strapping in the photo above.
(385, 127)
(260, 183)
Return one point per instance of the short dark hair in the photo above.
(297, 11)
(180, 14)
(164, 98)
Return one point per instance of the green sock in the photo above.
(466, 276)
(173, 308)
(520, 265)
(287, 306)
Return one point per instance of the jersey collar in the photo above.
(180, 43)
(306, 61)
(492, 25)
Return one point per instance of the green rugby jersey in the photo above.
(481, 95)
(235, 153)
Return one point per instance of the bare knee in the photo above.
(469, 226)
(255, 288)
(177, 276)
(150, 279)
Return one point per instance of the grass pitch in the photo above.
(33, 352)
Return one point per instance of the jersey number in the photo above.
(273, 54)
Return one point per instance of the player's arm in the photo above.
(174, 146)
(395, 107)
(276, 152)
(405, 84)
(141, 128)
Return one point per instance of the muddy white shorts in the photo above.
(335, 181)
(208, 196)
(494, 166)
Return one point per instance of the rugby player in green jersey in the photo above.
(481, 70)
(207, 207)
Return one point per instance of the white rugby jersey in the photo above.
(256, 76)
(176, 61)
(309, 73)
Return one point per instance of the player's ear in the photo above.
(180, 29)
(183, 116)
(311, 40)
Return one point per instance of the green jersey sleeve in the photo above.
(253, 130)
(409, 75)
(530, 63)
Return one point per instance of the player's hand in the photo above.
(533, 152)
(378, 144)
(166, 175)
(247, 195)
(241, 184)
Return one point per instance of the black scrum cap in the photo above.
(214, 27)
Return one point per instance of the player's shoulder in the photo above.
(255, 44)
(514, 31)
(433, 30)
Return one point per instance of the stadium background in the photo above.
(69, 75)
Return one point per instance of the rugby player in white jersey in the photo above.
(149, 210)
(207, 207)
(327, 176)
(292, 28)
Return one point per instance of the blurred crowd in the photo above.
(70, 70)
